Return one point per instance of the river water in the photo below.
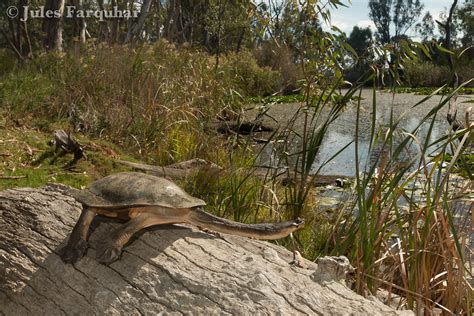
(343, 130)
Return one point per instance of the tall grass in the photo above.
(407, 244)
(155, 100)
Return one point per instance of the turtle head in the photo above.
(298, 223)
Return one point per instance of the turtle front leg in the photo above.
(110, 249)
(77, 244)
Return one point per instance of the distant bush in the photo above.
(151, 98)
(466, 72)
(279, 58)
(427, 74)
(249, 78)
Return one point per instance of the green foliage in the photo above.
(405, 13)
(7, 62)
(293, 98)
(402, 13)
(249, 78)
(360, 40)
(427, 74)
(462, 24)
(280, 58)
(140, 98)
(380, 15)
(426, 27)
(466, 23)
(431, 90)
(417, 75)
(26, 91)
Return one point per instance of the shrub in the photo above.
(7, 61)
(426, 75)
(279, 58)
(249, 78)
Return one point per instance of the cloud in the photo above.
(341, 25)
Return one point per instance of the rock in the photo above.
(167, 269)
(337, 269)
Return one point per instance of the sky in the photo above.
(358, 14)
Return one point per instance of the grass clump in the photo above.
(248, 78)
(429, 90)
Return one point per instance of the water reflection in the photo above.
(342, 132)
(344, 163)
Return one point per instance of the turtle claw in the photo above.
(107, 254)
(74, 252)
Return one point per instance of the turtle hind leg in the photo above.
(77, 243)
(110, 249)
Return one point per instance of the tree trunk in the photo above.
(454, 80)
(158, 25)
(81, 24)
(53, 26)
(240, 40)
(220, 18)
(11, 40)
(18, 37)
(136, 28)
(104, 29)
(115, 25)
(168, 269)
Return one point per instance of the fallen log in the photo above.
(65, 143)
(178, 170)
(243, 128)
(167, 269)
(12, 177)
(192, 167)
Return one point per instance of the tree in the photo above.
(360, 40)
(425, 27)
(80, 22)
(53, 26)
(466, 23)
(461, 24)
(380, 15)
(402, 13)
(137, 27)
(405, 14)
(15, 30)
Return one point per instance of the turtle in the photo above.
(146, 200)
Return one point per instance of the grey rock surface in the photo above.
(167, 269)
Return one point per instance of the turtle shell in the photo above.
(129, 189)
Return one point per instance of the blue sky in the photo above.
(358, 13)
